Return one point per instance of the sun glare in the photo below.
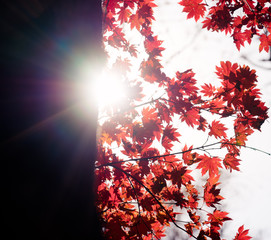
(106, 88)
(109, 89)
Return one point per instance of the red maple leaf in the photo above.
(187, 156)
(164, 112)
(145, 11)
(225, 69)
(240, 38)
(193, 216)
(242, 234)
(128, 3)
(158, 184)
(129, 149)
(153, 44)
(110, 132)
(148, 114)
(169, 135)
(241, 133)
(211, 164)
(265, 42)
(208, 90)
(211, 193)
(218, 217)
(194, 8)
(151, 177)
(231, 162)
(136, 21)
(191, 117)
(111, 6)
(219, 18)
(180, 176)
(217, 129)
(124, 14)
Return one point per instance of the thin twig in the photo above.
(155, 198)
(248, 6)
(182, 152)
(132, 185)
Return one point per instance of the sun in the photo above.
(107, 89)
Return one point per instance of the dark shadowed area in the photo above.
(48, 143)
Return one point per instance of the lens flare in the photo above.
(109, 89)
(105, 89)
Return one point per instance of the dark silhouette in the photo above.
(48, 143)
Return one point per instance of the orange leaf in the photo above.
(218, 217)
(208, 90)
(211, 164)
(194, 8)
(242, 234)
(231, 162)
(136, 21)
(217, 129)
(124, 14)
(265, 42)
(191, 117)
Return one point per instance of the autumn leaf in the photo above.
(194, 8)
(112, 6)
(148, 114)
(225, 69)
(241, 133)
(210, 164)
(191, 117)
(145, 11)
(231, 162)
(208, 90)
(240, 38)
(110, 132)
(169, 135)
(158, 184)
(136, 21)
(193, 216)
(164, 112)
(188, 157)
(242, 234)
(139, 178)
(124, 14)
(217, 129)
(129, 149)
(218, 217)
(211, 192)
(181, 176)
(153, 44)
(202, 235)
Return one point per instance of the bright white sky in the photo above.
(187, 46)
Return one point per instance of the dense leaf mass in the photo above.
(142, 184)
(242, 19)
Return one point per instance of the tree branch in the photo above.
(155, 198)
(182, 152)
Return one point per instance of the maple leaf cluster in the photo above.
(142, 184)
(243, 19)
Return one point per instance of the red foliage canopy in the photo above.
(139, 183)
(243, 19)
